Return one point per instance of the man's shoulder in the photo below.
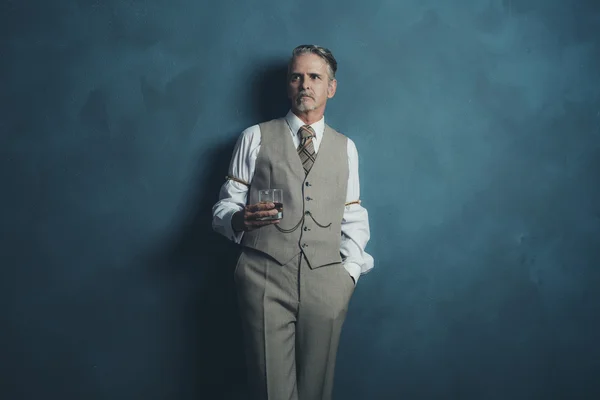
(256, 128)
(271, 127)
(271, 122)
(350, 145)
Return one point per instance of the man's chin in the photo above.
(304, 107)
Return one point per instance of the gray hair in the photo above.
(322, 52)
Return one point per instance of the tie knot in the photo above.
(306, 131)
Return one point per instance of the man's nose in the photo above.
(304, 83)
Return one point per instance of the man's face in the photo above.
(309, 86)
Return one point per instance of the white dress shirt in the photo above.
(233, 195)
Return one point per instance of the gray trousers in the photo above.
(292, 318)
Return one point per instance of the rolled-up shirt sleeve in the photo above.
(355, 223)
(233, 194)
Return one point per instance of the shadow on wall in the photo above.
(270, 86)
(199, 257)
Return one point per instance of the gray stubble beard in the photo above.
(301, 106)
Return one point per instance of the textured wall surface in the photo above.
(478, 128)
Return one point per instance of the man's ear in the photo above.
(331, 88)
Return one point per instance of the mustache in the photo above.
(301, 94)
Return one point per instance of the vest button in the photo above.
(306, 212)
(306, 228)
(308, 198)
(307, 184)
(304, 245)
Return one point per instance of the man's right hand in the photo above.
(247, 219)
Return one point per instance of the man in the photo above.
(295, 275)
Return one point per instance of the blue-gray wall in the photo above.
(478, 129)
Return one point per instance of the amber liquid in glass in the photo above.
(279, 207)
(279, 215)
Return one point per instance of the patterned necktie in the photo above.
(306, 149)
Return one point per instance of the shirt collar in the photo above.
(296, 123)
